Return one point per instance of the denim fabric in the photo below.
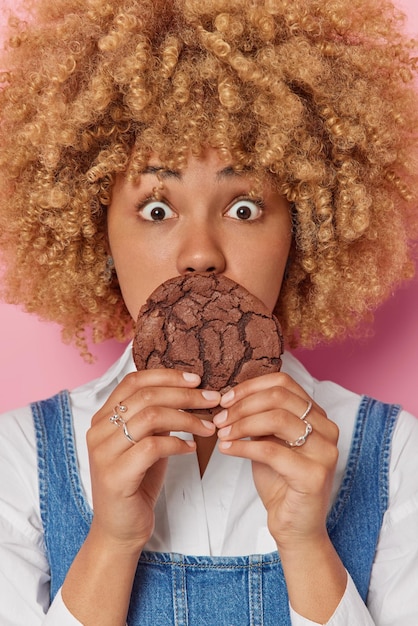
(215, 591)
(185, 590)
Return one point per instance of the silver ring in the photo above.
(121, 407)
(302, 439)
(308, 410)
(116, 419)
(127, 435)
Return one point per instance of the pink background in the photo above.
(34, 363)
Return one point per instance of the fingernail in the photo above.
(191, 444)
(210, 395)
(228, 397)
(207, 424)
(191, 378)
(224, 445)
(224, 432)
(220, 417)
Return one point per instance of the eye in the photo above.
(245, 209)
(155, 211)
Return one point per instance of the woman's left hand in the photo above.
(260, 417)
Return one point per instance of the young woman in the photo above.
(257, 140)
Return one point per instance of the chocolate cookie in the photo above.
(209, 325)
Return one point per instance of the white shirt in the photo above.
(214, 515)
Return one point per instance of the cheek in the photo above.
(272, 289)
(272, 274)
(264, 278)
(130, 294)
(139, 275)
(130, 277)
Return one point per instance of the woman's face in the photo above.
(204, 221)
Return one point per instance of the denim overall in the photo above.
(184, 590)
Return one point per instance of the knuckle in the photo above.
(334, 431)
(193, 397)
(146, 396)
(150, 447)
(321, 411)
(93, 437)
(280, 418)
(279, 395)
(149, 416)
(95, 419)
(98, 454)
(131, 382)
(90, 437)
(190, 398)
(269, 449)
(333, 455)
(284, 380)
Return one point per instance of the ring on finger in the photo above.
(127, 434)
(116, 419)
(300, 441)
(307, 411)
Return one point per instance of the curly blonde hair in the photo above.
(318, 96)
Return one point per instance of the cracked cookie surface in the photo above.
(209, 325)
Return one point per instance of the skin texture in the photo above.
(200, 200)
(294, 484)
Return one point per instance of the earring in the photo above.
(109, 269)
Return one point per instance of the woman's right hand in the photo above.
(127, 477)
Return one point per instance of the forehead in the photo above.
(207, 164)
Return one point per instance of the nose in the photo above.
(201, 250)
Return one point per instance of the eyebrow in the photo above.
(165, 173)
(162, 172)
(230, 172)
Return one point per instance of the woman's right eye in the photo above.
(155, 211)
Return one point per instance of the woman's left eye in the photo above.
(245, 210)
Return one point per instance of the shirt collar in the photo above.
(112, 377)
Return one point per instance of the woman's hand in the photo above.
(127, 477)
(127, 467)
(294, 483)
(260, 417)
